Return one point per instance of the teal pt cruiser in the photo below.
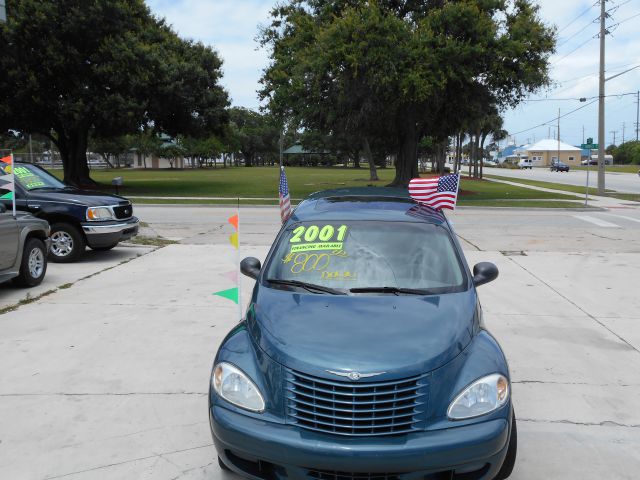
(363, 353)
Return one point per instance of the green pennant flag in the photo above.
(231, 294)
(7, 196)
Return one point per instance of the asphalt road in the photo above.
(621, 182)
(107, 379)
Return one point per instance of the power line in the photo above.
(583, 99)
(577, 48)
(625, 20)
(578, 17)
(555, 119)
(566, 40)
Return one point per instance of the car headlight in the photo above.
(235, 387)
(99, 213)
(481, 397)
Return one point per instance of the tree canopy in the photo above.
(394, 71)
(72, 67)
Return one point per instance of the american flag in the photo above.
(285, 201)
(437, 192)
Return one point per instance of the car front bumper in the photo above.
(102, 234)
(265, 450)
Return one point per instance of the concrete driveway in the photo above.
(108, 379)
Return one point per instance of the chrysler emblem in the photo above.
(355, 376)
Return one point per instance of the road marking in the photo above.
(596, 221)
(623, 216)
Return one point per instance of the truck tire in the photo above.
(33, 265)
(67, 243)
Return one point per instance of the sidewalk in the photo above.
(594, 200)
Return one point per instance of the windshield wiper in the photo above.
(311, 287)
(394, 290)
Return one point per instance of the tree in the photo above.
(398, 70)
(257, 135)
(628, 152)
(71, 67)
(110, 148)
(145, 143)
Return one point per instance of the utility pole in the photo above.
(623, 127)
(558, 136)
(601, 139)
(614, 136)
(582, 133)
(637, 114)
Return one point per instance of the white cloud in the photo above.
(230, 26)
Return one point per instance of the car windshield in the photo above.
(389, 257)
(31, 177)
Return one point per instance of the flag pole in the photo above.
(238, 265)
(13, 173)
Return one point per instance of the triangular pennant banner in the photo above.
(7, 196)
(233, 239)
(231, 294)
(6, 159)
(6, 182)
(234, 221)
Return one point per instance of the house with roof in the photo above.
(511, 154)
(546, 151)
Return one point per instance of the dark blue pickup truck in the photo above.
(78, 218)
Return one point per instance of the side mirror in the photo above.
(484, 272)
(250, 267)
(3, 207)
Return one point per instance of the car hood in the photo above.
(399, 335)
(79, 197)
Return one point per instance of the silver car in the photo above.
(24, 244)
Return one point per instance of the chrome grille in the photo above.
(356, 408)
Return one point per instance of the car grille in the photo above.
(356, 408)
(329, 475)
(123, 211)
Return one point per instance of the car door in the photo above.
(8, 238)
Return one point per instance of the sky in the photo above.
(231, 27)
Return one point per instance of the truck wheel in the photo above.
(67, 243)
(104, 249)
(33, 265)
(510, 459)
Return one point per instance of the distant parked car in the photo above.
(78, 218)
(24, 243)
(589, 162)
(525, 163)
(559, 167)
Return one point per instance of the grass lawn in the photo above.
(257, 182)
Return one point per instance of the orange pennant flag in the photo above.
(234, 221)
(6, 159)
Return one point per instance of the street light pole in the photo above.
(637, 114)
(558, 161)
(601, 138)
